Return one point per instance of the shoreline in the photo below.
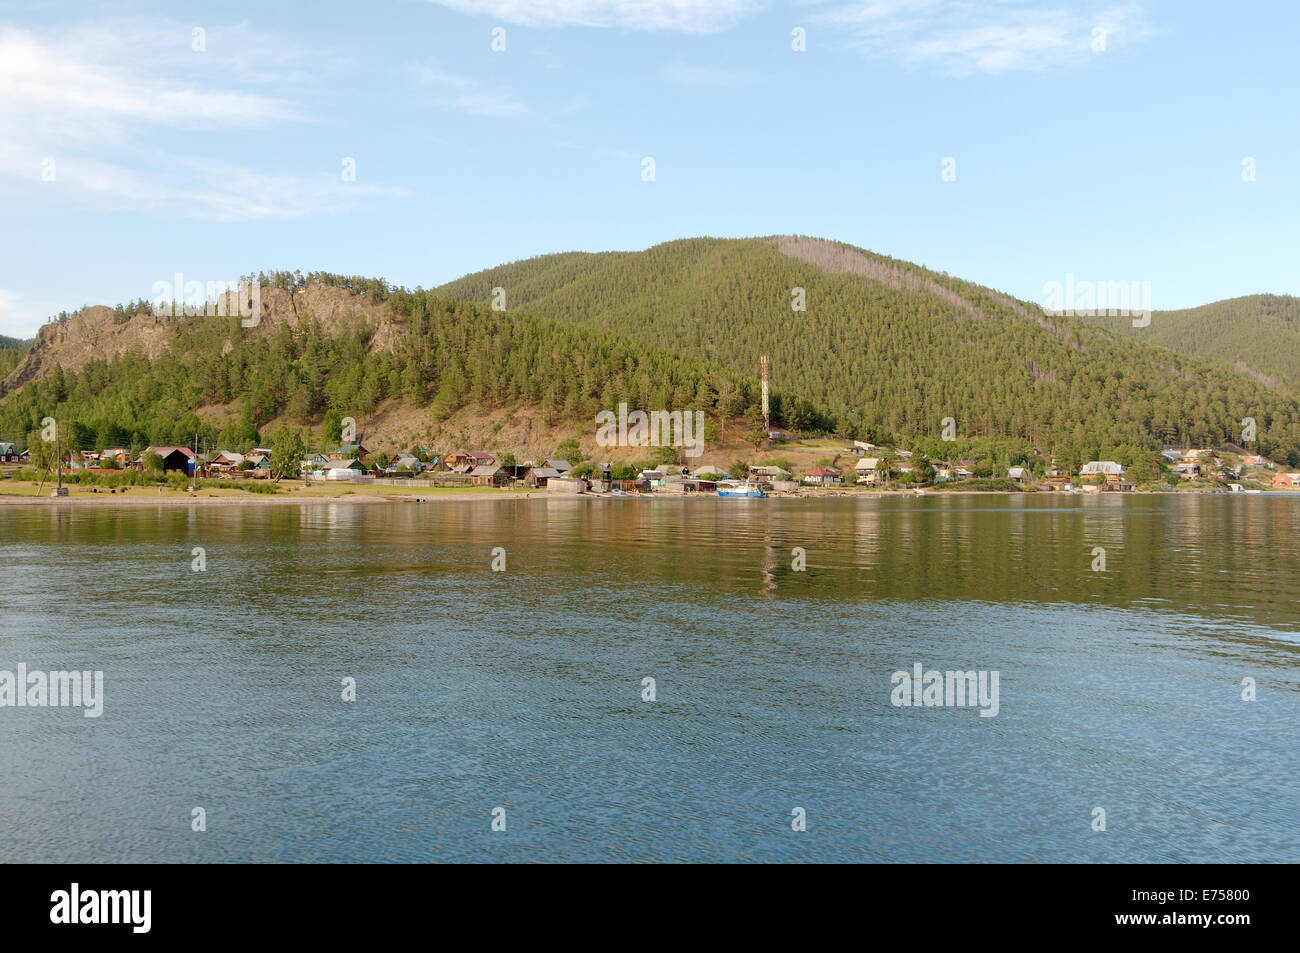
(438, 496)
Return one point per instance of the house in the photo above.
(178, 459)
(1058, 482)
(962, 473)
(866, 469)
(405, 462)
(864, 446)
(1287, 481)
(709, 472)
(1018, 474)
(228, 460)
(1112, 471)
(1186, 471)
(349, 451)
(770, 473)
(1254, 460)
(943, 472)
(116, 455)
(259, 464)
(1171, 455)
(489, 474)
(540, 476)
(319, 461)
(563, 466)
(823, 476)
(8, 453)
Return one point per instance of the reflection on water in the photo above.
(1119, 689)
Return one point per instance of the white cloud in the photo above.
(683, 74)
(89, 100)
(684, 16)
(960, 37)
(468, 95)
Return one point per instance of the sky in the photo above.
(1009, 143)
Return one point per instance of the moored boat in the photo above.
(746, 490)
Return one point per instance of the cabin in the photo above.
(259, 464)
(227, 460)
(1109, 469)
(1287, 481)
(8, 453)
(464, 461)
(823, 476)
(540, 476)
(409, 461)
(174, 459)
(119, 456)
(1186, 471)
(1057, 482)
(866, 470)
(1018, 474)
(349, 451)
(563, 466)
(489, 474)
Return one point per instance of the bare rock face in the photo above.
(100, 332)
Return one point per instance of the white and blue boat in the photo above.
(750, 491)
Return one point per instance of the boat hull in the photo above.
(744, 493)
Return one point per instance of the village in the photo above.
(798, 468)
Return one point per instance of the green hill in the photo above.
(1258, 335)
(322, 347)
(894, 346)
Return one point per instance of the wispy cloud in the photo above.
(90, 103)
(683, 16)
(466, 94)
(962, 38)
(683, 74)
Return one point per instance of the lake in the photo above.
(1119, 683)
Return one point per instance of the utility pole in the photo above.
(60, 489)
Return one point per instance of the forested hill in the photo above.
(1257, 335)
(894, 345)
(326, 343)
(11, 352)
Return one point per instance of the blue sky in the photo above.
(1101, 139)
